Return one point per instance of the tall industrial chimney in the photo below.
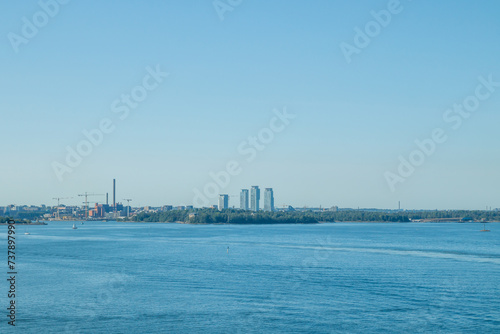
(114, 193)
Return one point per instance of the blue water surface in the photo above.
(108, 277)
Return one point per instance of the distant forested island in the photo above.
(233, 216)
(4, 221)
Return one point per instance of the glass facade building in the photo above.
(269, 199)
(244, 199)
(223, 202)
(254, 198)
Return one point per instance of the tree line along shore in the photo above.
(5, 220)
(233, 216)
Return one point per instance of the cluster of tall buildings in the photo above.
(250, 200)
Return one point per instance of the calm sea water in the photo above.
(327, 278)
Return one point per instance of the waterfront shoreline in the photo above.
(318, 223)
(21, 223)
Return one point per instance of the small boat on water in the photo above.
(74, 227)
(484, 228)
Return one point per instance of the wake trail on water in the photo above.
(480, 258)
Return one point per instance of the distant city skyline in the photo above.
(224, 201)
(167, 98)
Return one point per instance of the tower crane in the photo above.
(87, 203)
(128, 205)
(58, 202)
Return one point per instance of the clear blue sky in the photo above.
(353, 120)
